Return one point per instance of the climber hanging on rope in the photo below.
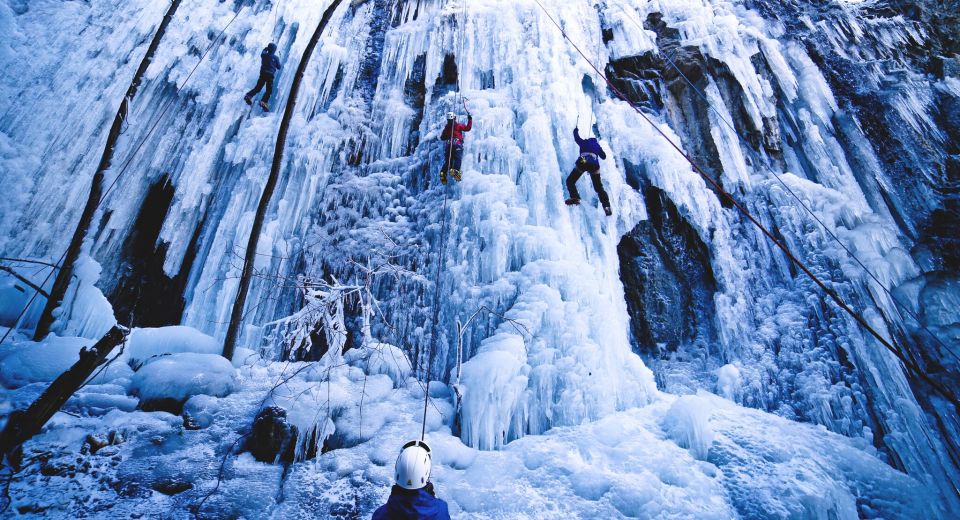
(590, 154)
(269, 65)
(453, 150)
(413, 498)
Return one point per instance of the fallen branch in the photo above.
(28, 261)
(28, 283)
(22, 425)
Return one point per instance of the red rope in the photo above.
(909, 364)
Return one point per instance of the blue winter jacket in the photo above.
(269, 62)
(590, 149)
(412, 504)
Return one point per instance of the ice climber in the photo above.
(269, 65)
(412, 498)
(453, 151)
(590, 154)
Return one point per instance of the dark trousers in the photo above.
(452, 160)
(264, 81)
(582, 167)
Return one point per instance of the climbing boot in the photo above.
(456, 175)
(443, 176)
(248, 100)
(264, 106)
(607, 210)
(573, 201)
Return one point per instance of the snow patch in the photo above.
(688, 424)
(144, 344)
(180, 376)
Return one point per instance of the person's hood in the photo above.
(417, 503)
(272, 48)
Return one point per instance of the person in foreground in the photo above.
(413, 498)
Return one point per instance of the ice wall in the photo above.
(551, 345)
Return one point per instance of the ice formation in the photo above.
(576, 324)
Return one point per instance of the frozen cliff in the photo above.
(835, 123)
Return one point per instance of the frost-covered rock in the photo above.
(144, 344)
(30, 362)
(381, 358)
(688, 424)
(175, 378)
(198, 411)
(244, 356)
(729, 382)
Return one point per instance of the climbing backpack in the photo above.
(447, 132)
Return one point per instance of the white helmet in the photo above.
(413, 465)
(451, 116)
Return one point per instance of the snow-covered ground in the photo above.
(698, 456)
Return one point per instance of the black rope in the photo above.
(908, 363)
(436, 312)
(443, 233)
(126, 165)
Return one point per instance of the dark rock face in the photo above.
(672, 82)
(905, 168)
(669, 282)
(144, 291)
(172, 485)
(449, 76)
(173, 406)
(274, 439)
(415, 95)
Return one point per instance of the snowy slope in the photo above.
(642, 463)
(805, 95)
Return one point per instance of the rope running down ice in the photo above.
(908, 363)
(804, 205)
(443, 240)
(124, 169)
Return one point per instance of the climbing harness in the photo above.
(902, 307)
(907, 362)
(123, 170)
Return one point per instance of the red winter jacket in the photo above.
(458, 130)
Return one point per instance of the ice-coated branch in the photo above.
(28, 283)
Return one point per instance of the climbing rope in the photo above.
(902, 307)
(443, 232)
(907, 362)
(436, 312)
(594, 119)
(126, 166)
(215, 43)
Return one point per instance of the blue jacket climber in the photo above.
(269, 62)
(589, 162)
(590, 149)
(269, 65)
(413, 504)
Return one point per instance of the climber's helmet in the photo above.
(413, 465)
